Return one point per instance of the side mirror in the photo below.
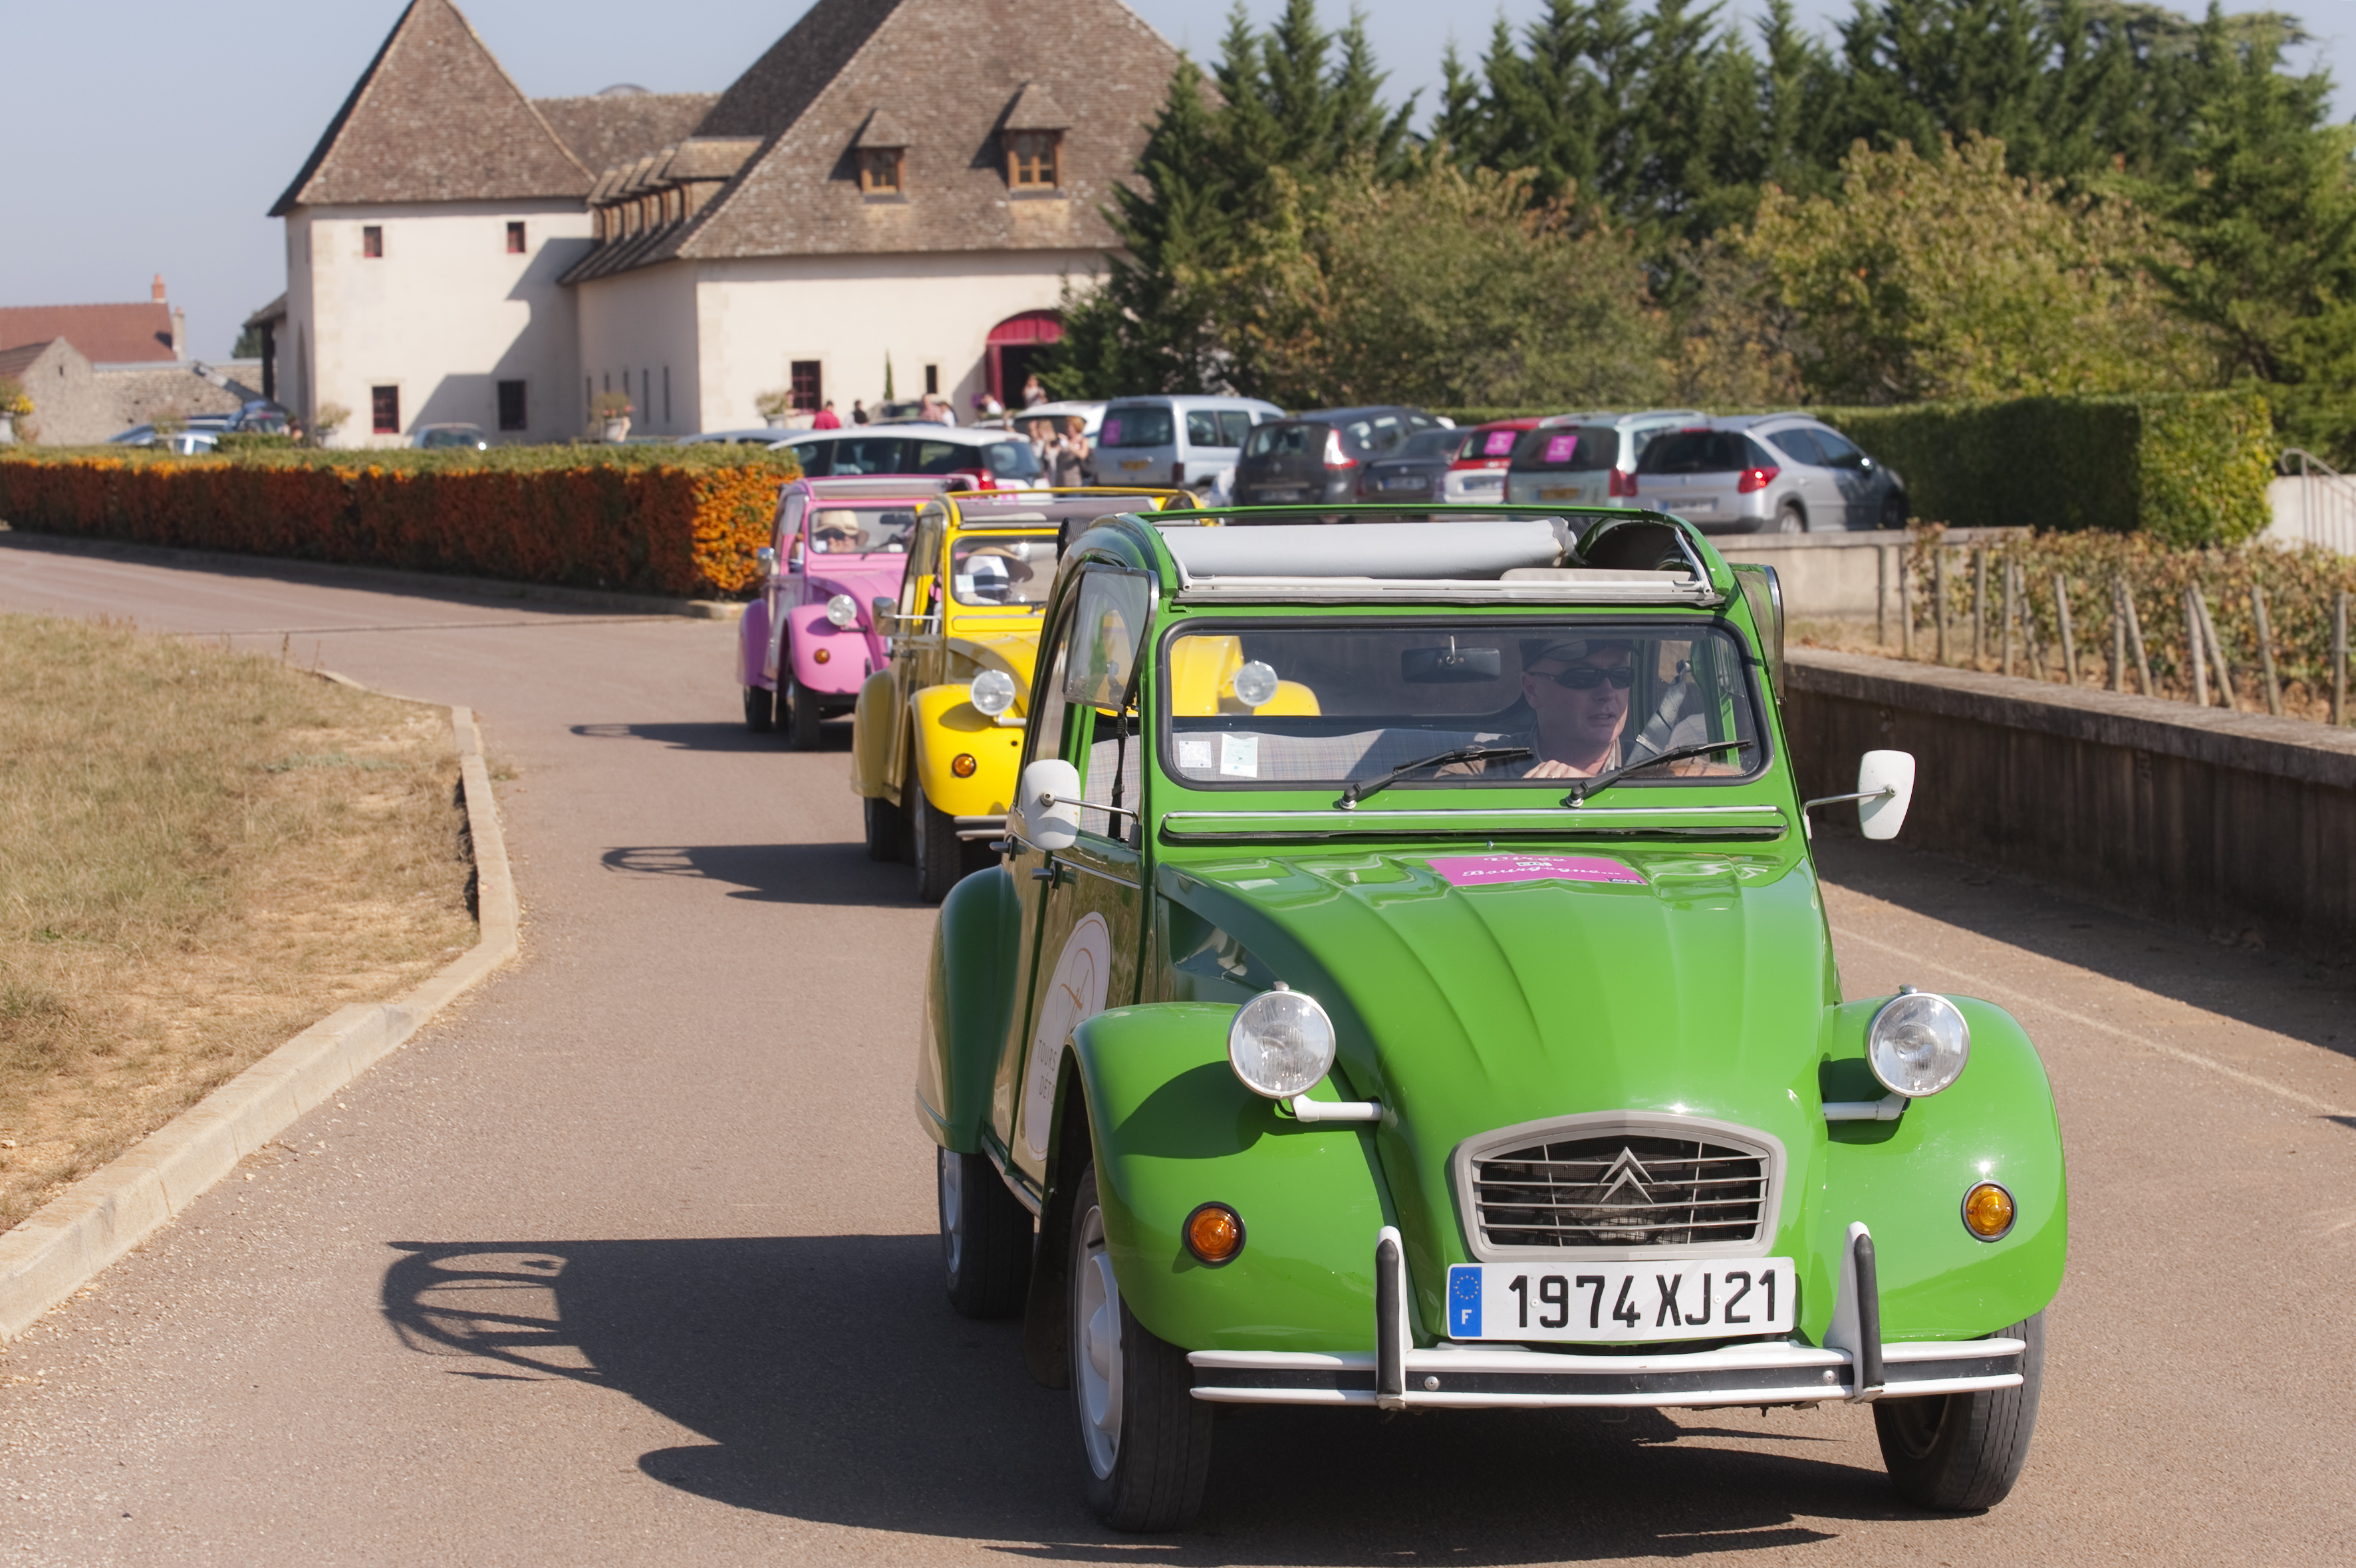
(1047, 799)
(767, 560)
(880, 607)
(1885, 785)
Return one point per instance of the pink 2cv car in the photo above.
(810, 640)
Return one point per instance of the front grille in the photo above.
(1620, 1190)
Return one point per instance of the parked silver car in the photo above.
(1587, 459)
(1184, 441)
(1775, 473)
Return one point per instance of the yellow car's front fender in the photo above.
(947, 726)
(871, 739)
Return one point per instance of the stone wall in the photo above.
(2238, 825)
(76, 403)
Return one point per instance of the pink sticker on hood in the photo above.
(1489, 870)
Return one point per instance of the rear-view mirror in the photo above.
(880, 607)
(1446, 666)
(1049, 803)
(1885, 785)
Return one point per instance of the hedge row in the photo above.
(678, 521)
(2189, 468)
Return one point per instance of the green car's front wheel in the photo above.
(1146, 1438)
(985, 1237)
(1965, 1451)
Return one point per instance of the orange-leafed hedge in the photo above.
(674, 520)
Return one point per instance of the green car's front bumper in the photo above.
(1399, 1375)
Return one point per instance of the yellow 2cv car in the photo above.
(935, 731)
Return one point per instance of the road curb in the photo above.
(352, 574)
(74, 1237)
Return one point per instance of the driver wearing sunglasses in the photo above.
(1578, 691)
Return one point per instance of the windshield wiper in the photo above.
(1586, 787)
(1358, 792)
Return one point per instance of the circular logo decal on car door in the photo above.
(1073, 995)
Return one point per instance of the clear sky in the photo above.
(145, 137)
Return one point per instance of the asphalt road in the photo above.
(630, 1259)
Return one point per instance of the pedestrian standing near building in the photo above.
(1073, 456)
(1034, 395)
(827, 418)
(858, 412)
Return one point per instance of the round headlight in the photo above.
(1255, 684)
(1918, 1043)
(842, 610)
(1280, 1044)
(993, 693)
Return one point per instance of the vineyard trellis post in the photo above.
(2226, 689)
(2265, 649)
(2340, 659)
(2118, 673)
(2011, 609)
(2197, 659)
(1939, 598)
(2062, 619)
(1979, 602)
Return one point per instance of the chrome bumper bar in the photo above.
(1476, 1376)
(980, 827)
(1856, 1365)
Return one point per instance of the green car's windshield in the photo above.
(1326, 702)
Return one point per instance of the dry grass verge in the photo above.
(201, 853)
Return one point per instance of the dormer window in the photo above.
(881, 152)
(880, 170)
(1031, 159)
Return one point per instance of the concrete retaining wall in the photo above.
(2238, 825)
(1849, 576)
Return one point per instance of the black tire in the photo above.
(802, 717)
(886, 828)
(1145, 1439)
(760, 709)
(1964, 1452)
(943, 859)
(1894, 510)
(985, 1236)
(1789, 518)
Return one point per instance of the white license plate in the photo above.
(1406, 484)
(1695, 503)
(1282, 495)
(1684, 1299)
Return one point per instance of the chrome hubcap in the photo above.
(1095, 1310)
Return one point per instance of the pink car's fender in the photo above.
(753, 645)
(825, 658)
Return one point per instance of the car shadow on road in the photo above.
(830, 1382)
(838, 875)
(2280, 993)
(723, 736)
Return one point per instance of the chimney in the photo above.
(156, 294)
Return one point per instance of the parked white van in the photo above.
(1182, 441)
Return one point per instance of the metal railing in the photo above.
(2322, 509)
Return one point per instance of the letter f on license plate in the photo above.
(1675, 1298)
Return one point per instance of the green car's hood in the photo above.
(1700, 989)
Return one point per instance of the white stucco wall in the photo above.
(444, 315)
(638, 335)
(755, 316)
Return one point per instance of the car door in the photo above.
(1817, 485)
(1083, 907)
(1853, 472)
(918, 636)
(784, 589)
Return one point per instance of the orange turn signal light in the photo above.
(1214, 1234)
(820, 656)
(962, 765)
(1987, 1211)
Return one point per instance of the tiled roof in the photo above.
(434, 118)
(947, 76)
(106, 334)
(15, 362)
(619, 127)
(274, 311)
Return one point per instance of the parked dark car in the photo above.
(1416, 469)
(1318, 456)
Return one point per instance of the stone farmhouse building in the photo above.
(901, 182)
(93, 371)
